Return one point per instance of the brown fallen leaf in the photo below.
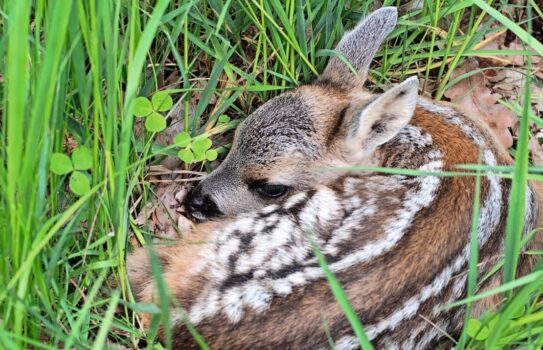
(473, 96)
(69, 143)
(536, 149)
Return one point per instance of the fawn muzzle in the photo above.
(200, 206)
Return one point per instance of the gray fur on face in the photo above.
(226, 188)
(282, 125)
(281, 128)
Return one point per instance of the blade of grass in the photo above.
(515, 217)
(506, 287)
(473, 258)
(106, 322)
(512, 26)
(342, 299)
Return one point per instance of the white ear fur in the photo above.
(360, 45)
(382, 119)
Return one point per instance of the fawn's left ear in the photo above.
(358, 46)
(381, 120)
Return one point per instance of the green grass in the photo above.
(71, 71)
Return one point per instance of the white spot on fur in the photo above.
(323, 207)
(410, 343)
(256, 296)
(228, 248)
(269, 209)
(413, 137)
(295, 200)
(282, 287)
(431, 334)
(347, 342)
(232, 304)
(210, 308)
(345, 232)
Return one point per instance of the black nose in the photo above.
(200, 206)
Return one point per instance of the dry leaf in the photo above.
(536, 149)
(476, 99)
(69, 143)
(164, 215)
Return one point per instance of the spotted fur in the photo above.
(398, 244)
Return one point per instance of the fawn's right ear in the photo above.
(359, 46)
(379, 121)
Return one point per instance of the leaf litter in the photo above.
(485, 81)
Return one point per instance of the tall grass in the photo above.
(71, 71)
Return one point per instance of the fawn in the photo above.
(399, 245)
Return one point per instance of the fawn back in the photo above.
(398, 244)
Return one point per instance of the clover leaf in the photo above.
(182, 140)
(223, 119)
(201, 145)
(161, 101)
(195, 149)
(61, 164)
(82, 158)
(211, 155)
(186, 155)
(155, 122)
(476, 330)
(79, 183)
(142, 107)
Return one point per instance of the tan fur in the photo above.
(172, 259)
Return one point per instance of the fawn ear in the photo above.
(359, 46)
(380, 120)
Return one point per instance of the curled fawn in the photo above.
(398, 244)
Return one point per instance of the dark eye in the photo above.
(271, 190)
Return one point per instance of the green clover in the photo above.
(194, 148)
(61, 164)
(477, 330)
(161, 101)
(223, 119)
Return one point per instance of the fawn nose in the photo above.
(200, 206)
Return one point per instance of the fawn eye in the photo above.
(271, 190)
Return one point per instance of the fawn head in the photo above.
(330, 122)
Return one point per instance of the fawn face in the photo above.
(331, 122)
